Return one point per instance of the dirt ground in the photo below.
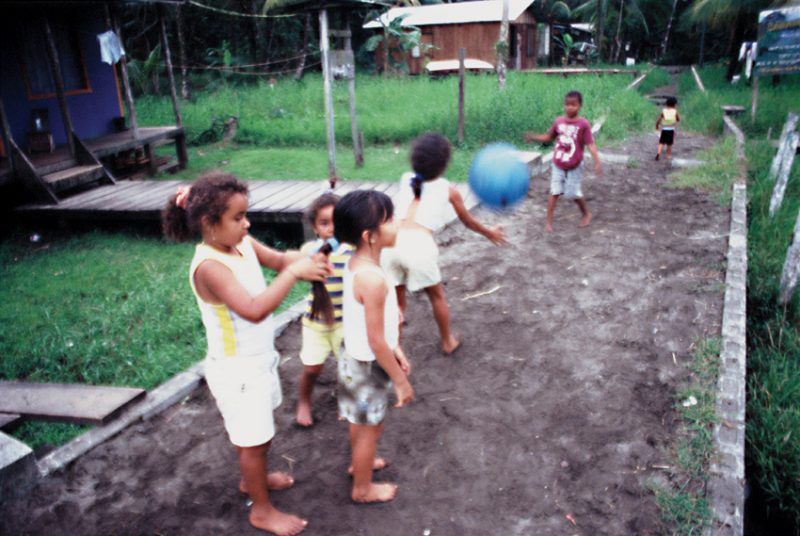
(549, 421)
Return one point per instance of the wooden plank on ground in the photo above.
(160, 190)
(7, 419)
(100, 203)
(300, 200)
(267, 203)
(84, 404)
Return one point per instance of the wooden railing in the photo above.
(27, 174)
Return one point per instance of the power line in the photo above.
(238, 13)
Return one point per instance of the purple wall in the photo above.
(91, 112)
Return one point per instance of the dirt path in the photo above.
(559, 404)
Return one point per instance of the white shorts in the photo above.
(413, 261)
(247, 390)
(318, 344)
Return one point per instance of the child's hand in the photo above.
(404, 392)
(529, 137)
(598, 171)
(496, 235)
(310, 269)
(402, 360)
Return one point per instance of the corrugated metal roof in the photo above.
(459, 13)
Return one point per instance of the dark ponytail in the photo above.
(321, 304)
(416, 185)
(174, 222)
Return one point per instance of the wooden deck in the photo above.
(270, 201)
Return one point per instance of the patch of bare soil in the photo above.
(549, 421)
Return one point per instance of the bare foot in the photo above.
(376, 492)
(585, 220)
(303, 417)
(276, 481)
(377, 465)
(548, 228)
(451, 346)
(279, 523)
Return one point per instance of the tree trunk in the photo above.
(301, 65)
(182, 52)
(617, 41)
(737, 34)
(665, 43)
(701, 57)
(255, 53)
(601, 24)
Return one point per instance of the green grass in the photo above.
(381, 163)
(716, 174)
(100, 309)
(773, 381)
(701, 112)
(683, 504)
(399, 109)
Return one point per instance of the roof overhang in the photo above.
(458, 13)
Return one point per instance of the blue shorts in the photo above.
(566, 182)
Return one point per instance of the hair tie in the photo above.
(416, 181)
(181, 196)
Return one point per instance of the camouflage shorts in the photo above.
(363, 392)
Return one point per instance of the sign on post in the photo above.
(778, 46)
(779, 41)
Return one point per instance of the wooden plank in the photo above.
(155, 199)
(7, 419)
(85, 404)
(275, 197)
(308, 191)
(266, 191)
(303, 203)
(258, 190)
(78, 200)
(99, 204)
(158, 190)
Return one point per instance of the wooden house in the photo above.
(62, 109)
(474, 26)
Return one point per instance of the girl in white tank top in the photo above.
(425, 204)
(236, 305)
(373, 362)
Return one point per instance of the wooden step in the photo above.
(77, 403)
(74, 176)
(46, 168)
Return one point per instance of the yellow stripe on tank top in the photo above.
(226, 325)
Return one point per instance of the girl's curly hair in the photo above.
(207, 198)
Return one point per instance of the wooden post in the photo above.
(6, 135)
(462, 53)
(787, 150)
(791, 266)
(754, 105)
(358, 150)
(126, 83)
(326, 84)
(788, 127)
(168, 57)
(55, 69)
(502, 48)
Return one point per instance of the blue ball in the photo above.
(498, 177)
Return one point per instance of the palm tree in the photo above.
(551, 11)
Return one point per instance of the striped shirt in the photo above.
(334, 285)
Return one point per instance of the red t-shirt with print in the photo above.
(571, 136)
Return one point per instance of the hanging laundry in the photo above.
(110, 47)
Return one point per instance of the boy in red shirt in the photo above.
(572, 133)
